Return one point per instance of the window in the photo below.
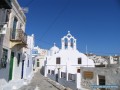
(7, 16)
(101, 80)
(14, 28)
(71, 77)
(18, 59)
(4, 58)
(79, 60)
(49, 71)
(15, 23)
(28, 63)
(58, 60)
(66, 43)
(20, 26)
(78, 70)
(63, 75)
(37, 64)
(72, 40)
(53, 72)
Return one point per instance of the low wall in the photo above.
(112, 76)
(52, 77)
(70, 84)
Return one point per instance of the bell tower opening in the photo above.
(68, 42)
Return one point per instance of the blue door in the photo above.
(22, 72)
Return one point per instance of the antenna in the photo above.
(87, 55)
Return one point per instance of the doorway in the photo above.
(11, 65)
(56, 77)
(101, 81)
(22, 72)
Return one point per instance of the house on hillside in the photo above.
(103, 61)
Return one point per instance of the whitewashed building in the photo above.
(5, 7)
(103, 61)
(39, 59)
(13, 45)
(63, 65)
(35, 54)
(28, 63)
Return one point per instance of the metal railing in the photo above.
(18, 35)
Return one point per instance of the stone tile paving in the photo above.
(39, 82)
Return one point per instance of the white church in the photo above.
(63, 65)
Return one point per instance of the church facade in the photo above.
(63, 65)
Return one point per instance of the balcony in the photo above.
(5, 4)
(18, 37)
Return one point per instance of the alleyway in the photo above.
(39, 82)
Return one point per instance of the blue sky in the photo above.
(95, 23)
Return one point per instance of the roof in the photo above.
(54, 48)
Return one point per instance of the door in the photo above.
(56, 77)
(11, 65)
(101, 81)
(22, 72)
(37, 64)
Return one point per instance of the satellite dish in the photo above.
(25, 9)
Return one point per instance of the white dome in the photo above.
(54, 48)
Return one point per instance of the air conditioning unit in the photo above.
(3, 29)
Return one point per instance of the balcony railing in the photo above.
(18, 35)
(5, 4)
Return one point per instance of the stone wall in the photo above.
(112, 76)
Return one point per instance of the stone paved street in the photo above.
(39, 82)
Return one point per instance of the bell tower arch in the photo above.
(68, 42)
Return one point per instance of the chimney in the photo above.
(111, 61)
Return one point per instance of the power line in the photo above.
(29, 3)
(88, 51)
(56, 18)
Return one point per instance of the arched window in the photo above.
(72, 41)
(66, 43)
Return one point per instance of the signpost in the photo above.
(88, 74)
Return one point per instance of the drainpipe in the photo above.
(111, 60)
(119, 60)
